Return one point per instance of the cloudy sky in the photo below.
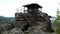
(8, 7)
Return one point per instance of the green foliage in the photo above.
(25, 33)
(58, 30)
(58, 18)
(56, 23)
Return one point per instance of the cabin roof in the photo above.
(32, 5)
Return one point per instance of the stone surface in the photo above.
(13, 31)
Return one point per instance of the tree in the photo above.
(57, 22)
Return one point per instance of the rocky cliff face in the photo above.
(13, 31)
(35, 30)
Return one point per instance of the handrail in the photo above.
(27, 19)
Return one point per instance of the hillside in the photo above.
(9, 19)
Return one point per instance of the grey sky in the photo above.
(8, 7)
